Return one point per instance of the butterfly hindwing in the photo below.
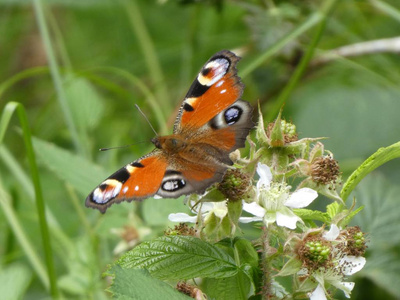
(188, 179)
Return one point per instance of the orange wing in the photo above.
(216, 87)
(135, 181)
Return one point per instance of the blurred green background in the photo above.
(105, 56)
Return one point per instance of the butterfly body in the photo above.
(213, 121)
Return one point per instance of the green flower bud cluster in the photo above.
(359, 239)
(288, 128)
(317, 251)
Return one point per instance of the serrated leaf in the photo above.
(139, 285)
(180, 257)
(292, 266)
(80, 173)
(308, 214)
(377, 159)
(333, 209)
(236, 287)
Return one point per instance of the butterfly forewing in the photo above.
(216, 87)
(135, 181)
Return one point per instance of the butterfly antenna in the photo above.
(151, 126)
(119, 147)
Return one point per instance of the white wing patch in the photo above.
(111, 191)
(218, 68)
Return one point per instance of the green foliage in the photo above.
(377, 159)
(78, 80)
(180, 257)
(15, 280)
(186, 257)
(138, 284)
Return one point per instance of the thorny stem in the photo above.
(266, 283)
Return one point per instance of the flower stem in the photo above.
(266, 282)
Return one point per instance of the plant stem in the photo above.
(266, 281)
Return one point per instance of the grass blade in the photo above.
(22, 238)
(148, 50)
(9, 110)
(56, 74)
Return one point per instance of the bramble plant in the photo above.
(300, 252)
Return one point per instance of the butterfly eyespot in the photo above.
(173, 185)
(232, 115)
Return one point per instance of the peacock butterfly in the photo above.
(212, 122)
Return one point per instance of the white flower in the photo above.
(219, 209)
(346, 265)
(274, 202)
(332, 234)
(318, 294)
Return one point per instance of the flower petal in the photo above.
(301, 198)
(352, 264)
(265, 175)
(346, 287)
(349, 286)
(206, 207)
(220, 209)
(318, 294)
(249, 219)
(288, 219)
(182, 217)
(254, 209)
(332, 234)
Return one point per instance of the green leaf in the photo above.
(348, 218)
(377, 159)
(86, 104)
(139, 285)
(81, 266)
(380, 217)
(14, 281)
(180, 257)
(333, 209)
(308, 214)
(246, 252)
(80, 173)
(383, 268)
(236, 287)
(278, 290)
(292, 266)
